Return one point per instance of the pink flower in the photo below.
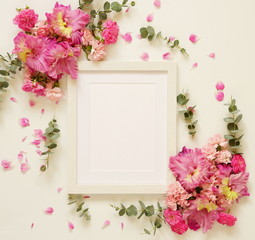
(193, 225)
(49, 211)
(227, 219)
(176, 195)
(193, 38)
(220, 86)
(26, 19)
(97, 52)
(190, 168)
(34, 87)
(218, 141)
(24, 167)
(42, 29)
(166, 56)
(145, 56)
(223, 157)
(110, 32)
(180, 227)
(157, 3)
(54, 94)
(238, 163)
(24, 122)
(149, 18)
(219, 96)
(38, 133)
(127, 37)
(209, 151)
(225, 170)
(7, 165)
(21, 155)
(70, 226)
(238, 183)
(87, 37)
(212, 55)
(172, 217)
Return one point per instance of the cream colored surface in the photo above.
(224, 27)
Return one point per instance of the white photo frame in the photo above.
(122, 127)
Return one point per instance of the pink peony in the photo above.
(54, 94)
(190, 168)
(176, 195)
(97, 52)
(42, 29)
(227, 219)
(180, 227)
(110, 32)
(26, 19)
(172, 217)
(238, 163)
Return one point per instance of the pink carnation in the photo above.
(97, 52)
(238, 163)
(172, 217)
(217, 140)
(54, 94)
(87, 37)
(26, 19)
(110, 32)
(180, 227)
(226, 219)
(223, 157)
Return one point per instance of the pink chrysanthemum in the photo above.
(172, 217)
(227, 219)
(180, 227)
(190, 168)
(110, 32)
(176, 195)
(26, 19)
(238, 163)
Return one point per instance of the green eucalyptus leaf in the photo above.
(150, 30)
(228, 137)
(181, 99)
(124, 2)
(52, 145)
(149, 211)
(144, 32)
(147, 232)
(238, 118)
(122, 212)
(107, 6)
(229, 119)
(232, 127)
(142, 205)
(131, 211)
(93, 13)
(102, 15)
(4, 73)
(232, 108)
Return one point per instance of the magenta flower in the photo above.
(26, 19)
(238, 163)
(180, 227)
(49, 211)
(172, 217)
(110, 32)
(227, 219)
(190, 168)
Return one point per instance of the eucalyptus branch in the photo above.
(79, 200)
(150, 34)
(52, 133)
(187, 113)
(234, 137)
(154, 214)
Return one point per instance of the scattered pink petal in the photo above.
(122, 225)
(149, 18)
(32, 225)
(31, 103)
(24, 139)
(42, 111)
(13, 99)
(24, 167)
(212, 55)
(21, 155)
(59, 189)
(171, 38)
(220, 86)
(36, 142)
(220, 96)
(195, 65)
(157, 3)
(49, 211)
(127, 10)
(7, 165)
(24, 122)
(71, 225)
(86, 196)
(39, 152)
(145, 56)
(106, 223)
(127, 37)
(166, 56)
(193, 38)
(139, 36)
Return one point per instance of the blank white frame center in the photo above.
(122, 127)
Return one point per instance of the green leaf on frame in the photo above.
(107, 6)
(229, 119)
(149, 211)
(115, 6)
(238, 118)
(157, 223)
(93, 13)
(4, 85)
(182, 99)
(144, 32)
(142, 205)
(176, 42)
(122, 211)
(131, 211)
(141, 214)
(195, 122)
(150, 37)
(159, 207)
(159, 34)
(79, 207)
(147, 232)
(239, 138)
(132, 3)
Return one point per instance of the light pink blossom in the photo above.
(166, 56)
(145, 56)
(149, 18)
(7, 165)
(127, 37)
(26, 19)
(172, 217)
(24, 122)
(98, 52)
(220, 86)
(227, 219)
(223, 157)
(217, 140)
(209, 151)
(180, 227)
(21, 155)
(157, 3)
(110, 32)
(54, 94)
(193, 38)
(49, 211)
(139, 36)
(219, 96)
(238, 163)
(87, 37)
(70, 226)
(238, 184)
(24, 167)
(39, 152)
(23, 139)
(32, 225)
(212, 55)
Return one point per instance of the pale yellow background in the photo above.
(224, 27)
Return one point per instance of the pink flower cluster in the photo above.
(50, 48)
(208, 182)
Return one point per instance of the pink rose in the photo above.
(26, 19)
(110, 32)
(172, 217)
(238, 163)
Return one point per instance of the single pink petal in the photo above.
(193, 38)
(166, 56)
(39, 152)
(106, 223)
(220, 86)
(127, 9)
(86, 196)
(32, 225)
(49, 211)
(31, 103)
(24, 122)
(24, 139)
(127, 37)
(59, 189)
(122, 225)
(24, 167)
(6, 164)
(157, 3)
(139, 36)
(220, 96)
(36, 142)
(21, 155)
(211, 55)
(195, 65)
(13, 99)
(171, 38)
(42, 111)
(71, 225)
(149, 18)
(145, 56)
